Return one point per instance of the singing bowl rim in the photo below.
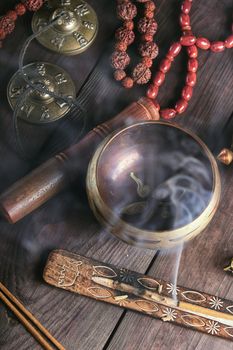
(141, 237)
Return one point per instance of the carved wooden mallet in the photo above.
(50, 178)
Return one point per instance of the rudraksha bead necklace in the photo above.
(7, 22)
(148, 50)
(192, 44)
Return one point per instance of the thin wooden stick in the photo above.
(154, 296)
(8, 298)
(127, 288)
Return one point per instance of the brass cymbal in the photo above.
(40, 107)
(74, 30)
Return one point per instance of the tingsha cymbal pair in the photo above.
(75, 26)
(45, 92)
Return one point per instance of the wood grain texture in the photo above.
(65, 222)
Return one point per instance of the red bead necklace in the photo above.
(192, 43)
(148, 50)
(7, 22)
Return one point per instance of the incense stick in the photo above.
(24, 316)
(183, 306)
(126, 288)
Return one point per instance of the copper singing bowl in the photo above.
(153, 184)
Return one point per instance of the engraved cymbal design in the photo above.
(74, 30)
(41, 107)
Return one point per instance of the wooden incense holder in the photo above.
(50, 178)
(155, 297)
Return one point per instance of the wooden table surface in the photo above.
(66, 221)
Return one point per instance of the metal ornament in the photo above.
(229, 268)
(39, 107)
(74, 30)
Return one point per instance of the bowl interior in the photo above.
(155, 176)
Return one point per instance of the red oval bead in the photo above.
(159, 78)
(186, 7)
(165, 65)
(229, 42)
(184, 20)
(181, 106)
(217, 46)
(203, 43)
(152, 91)
(187, 92)
(187, 40)
(192, 65)
(169, 57)
(192, 51)
(174, 49)
(168, 113)
(191, 79)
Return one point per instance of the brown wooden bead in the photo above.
(127, 82)
(20, 9)
(174, 49)
(147, 37)
(149, 49)
(2, 34)
(119, 74)
(191, 79)
(147, 26)
(229, 42)
(126, 10)
(186, 7)
(125, 35)
(203, 43)
(184, 20)
(181, 106)
(120, 59)
(33, 5)
(192, 51)
(152, 91)
(141, 74)
(150, 6)
(187, 92)
(147, 61)
(129, 25)
(187, 40)
(120, 46)
(149, 14)
(165, 65)
(12, 15)
(7, 24)
(217, 46)
(168, 113)
(159, 78)
(192, 65)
